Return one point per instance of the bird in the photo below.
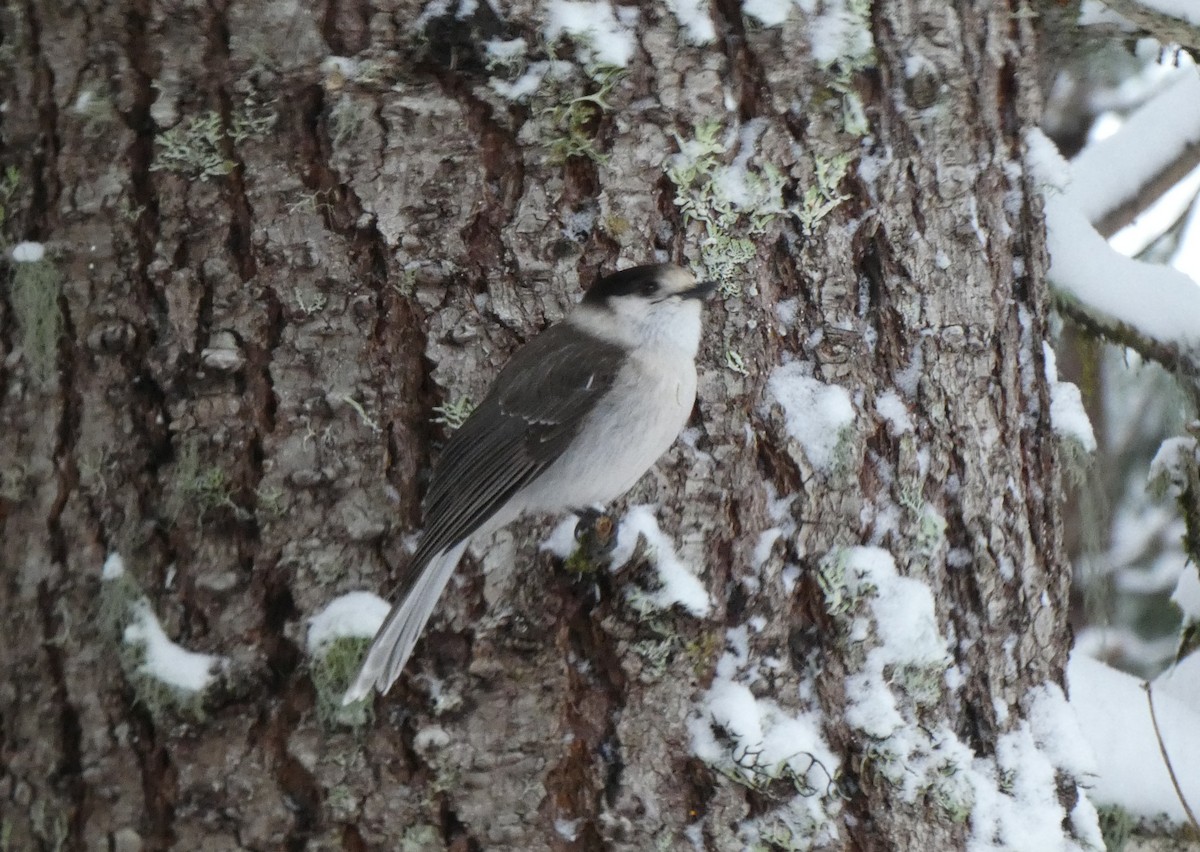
(573, 420)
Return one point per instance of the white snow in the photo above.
(1067, 414)
(762, 548)
(769, 13)
(1114, 715)
(766, 739)
(1187, 256)
(1016, 799)
(343, 66)
(694, 20)
(174, 665)
(1181, 680)
(357, 614)
(1152, 222)
(524, 86)
(679, 584)
(430, 738)
(815, 414)
(505, 50)
(114, 567)
(1093, 13)
(907, 632)
(1056, 730)
(1170, 464)
(1158, 302)
(840, 32)
(567, 829)
(1187, 597)
(786, 310)
(27, 252)
(561, 541)
(1050, 168)
(603, 36)
(892, 409)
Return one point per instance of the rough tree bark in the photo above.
(271, 270)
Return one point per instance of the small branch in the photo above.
(1149, 192)
(1170, 356)
(1166, 28)
(1162, 748)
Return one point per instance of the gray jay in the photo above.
(574, 419)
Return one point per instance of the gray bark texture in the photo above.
(265, 271)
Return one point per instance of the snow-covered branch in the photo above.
(1150, 308)
(1169, 21)
(1114, 180)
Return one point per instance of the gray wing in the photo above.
(530, 415)
(533, 410)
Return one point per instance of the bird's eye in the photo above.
(650, 288)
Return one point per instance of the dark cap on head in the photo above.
(635, 281)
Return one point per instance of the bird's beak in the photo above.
(702, 290)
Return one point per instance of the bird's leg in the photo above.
(596, 533)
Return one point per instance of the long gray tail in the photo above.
(395, 640)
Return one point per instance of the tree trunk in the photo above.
(269, 269)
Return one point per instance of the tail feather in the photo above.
(396, 638)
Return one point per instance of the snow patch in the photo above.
(1114, 715)
(1067, 414)
(769, 13)
(604, 37)
(28, 252)
(679, 584)
(1187, 597)
(841, 33)
(909, 640)
(172, 664)
(505, 50)
(1158, 302)
(816, 415)
(561, 541)
(1170, 467)
(114, 567)
(357, 614)
(892, 409)
(694, 20)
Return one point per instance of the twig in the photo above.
(1162, 748)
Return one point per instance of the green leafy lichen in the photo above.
(732, 202)
(332, 671)
(34, 294)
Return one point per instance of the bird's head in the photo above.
(658, 304)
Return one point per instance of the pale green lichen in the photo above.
(332, 672)
(823, 196)
(34, 293)
(453, 413)
(420, 838)
(357, 408)
(9, 183)
(118, 606)
(348, 117)
(733, 203)
(573, 117)
(199, 487)
(196, 145)
(931, 531)
(844, 588)
(1116, 827)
